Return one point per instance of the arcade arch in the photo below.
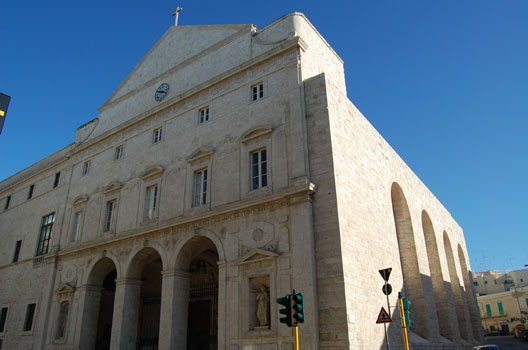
(96, 330)
(409, 260)
(443, 306)
(456, 288)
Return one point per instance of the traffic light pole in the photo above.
(296, 332)
(404, 326)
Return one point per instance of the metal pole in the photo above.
(388, 304)
(386, 336)
(296, 330)
(385, 325)
(404, 326)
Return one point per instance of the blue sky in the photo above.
(445, 82)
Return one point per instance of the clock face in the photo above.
(161, 92)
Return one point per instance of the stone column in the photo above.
(174, 309)
(89, 301)
(126, 314)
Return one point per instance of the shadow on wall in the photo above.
(416, 340)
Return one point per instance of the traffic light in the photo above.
(407, 311)
(298, 307)
(287, 311)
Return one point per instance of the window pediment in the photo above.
(152, 173)
(256, 133)
(79, 200)
(200, 154)
(256, 255)
(65, 288)
(112, 187)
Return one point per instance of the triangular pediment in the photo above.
(174, 49)
(152, 173)
(112, 187)
(200, 154)
(256, 255)
(80, 200)
(256, 133)
(65, 288)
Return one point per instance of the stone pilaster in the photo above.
(90, 300)
(126, 314)
(174, 309)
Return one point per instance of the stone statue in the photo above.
(263, 302)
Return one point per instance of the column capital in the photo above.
(128, 281)
(175, 273)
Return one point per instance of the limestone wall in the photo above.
(365, 169)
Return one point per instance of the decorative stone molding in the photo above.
(65, 289)
(257, 255)
(200, 154)
(152, 173)
(256, 133)
(112, 187)
(80, 200)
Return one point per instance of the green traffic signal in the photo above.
(407, 311)
(286, 302)
(298, 307)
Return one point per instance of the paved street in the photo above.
(507, 342)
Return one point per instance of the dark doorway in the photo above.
(198, 325)
(149, 321)
(106, 310)
(202, 321)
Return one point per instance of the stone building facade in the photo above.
(228, 168)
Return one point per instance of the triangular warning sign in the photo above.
(383, 317)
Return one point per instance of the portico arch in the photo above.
(193, 308)
(142, 293)
(98, 306)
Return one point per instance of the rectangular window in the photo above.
(475, 283)
(200, 188)
(501, 308)
(257, 92)
(151, 202)
(118, 153)
(204, 115)
(156, 136)
(57, 179)
(3, 317)
(45, 234)
(8, 200)
(76, 226)
(86, 167)
(30, 314)
(18, 245)
(488, 310)
(259, 169)
(30, 193)
(109, 214)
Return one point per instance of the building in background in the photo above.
(228, 168)
(502, 300)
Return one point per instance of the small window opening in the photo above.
(57, 180)
(18, 245)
